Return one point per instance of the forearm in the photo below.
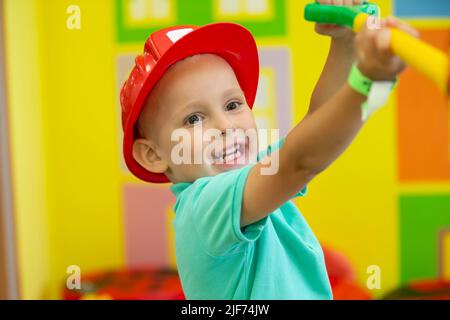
(335, 72)
(323, 135)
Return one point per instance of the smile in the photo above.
(230, 155)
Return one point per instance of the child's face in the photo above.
(195, 95)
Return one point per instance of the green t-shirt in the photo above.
(277, 257)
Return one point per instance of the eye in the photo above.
(193, 119)
(233, 105)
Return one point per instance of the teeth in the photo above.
(229, 157)
(230, 154)
(235, 155)
(231, 151)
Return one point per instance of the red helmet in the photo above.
(164, 48)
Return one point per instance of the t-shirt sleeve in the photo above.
(217, 209)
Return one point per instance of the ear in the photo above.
(145, 154)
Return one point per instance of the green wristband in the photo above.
(377, 92)
(359, 82)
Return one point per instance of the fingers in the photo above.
(328, 2)
(383, 35)
(363, 45)
(378, 40)
(341, 2)
(383, 42)
(392, 22)
(375, 57)
(332, 29)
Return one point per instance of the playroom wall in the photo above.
(24, 94)
(385, 202)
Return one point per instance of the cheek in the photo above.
(197, 143)
(173, 142)
(248, 120)
(191, 144)
(252, 133)
(166, 151)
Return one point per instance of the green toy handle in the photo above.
(339, 15)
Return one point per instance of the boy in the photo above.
(237, 234)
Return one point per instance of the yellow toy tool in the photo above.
(421, 56)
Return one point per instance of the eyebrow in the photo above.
(195, 103)
(232, 91)
(188, 107)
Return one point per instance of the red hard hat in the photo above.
(162, 49)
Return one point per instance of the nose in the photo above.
(224, 122)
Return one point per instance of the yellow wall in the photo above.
(24, 95)
(63, 141)
(85, 211)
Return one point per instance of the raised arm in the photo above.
(334, 74)
(322, 135)
(340, 58)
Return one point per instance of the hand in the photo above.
(373, 54)
(333, 30)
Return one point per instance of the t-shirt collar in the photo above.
(177, 188)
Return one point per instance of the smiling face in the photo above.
(201, 99)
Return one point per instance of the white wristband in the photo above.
(378, 96)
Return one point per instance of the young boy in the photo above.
(237, 234)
